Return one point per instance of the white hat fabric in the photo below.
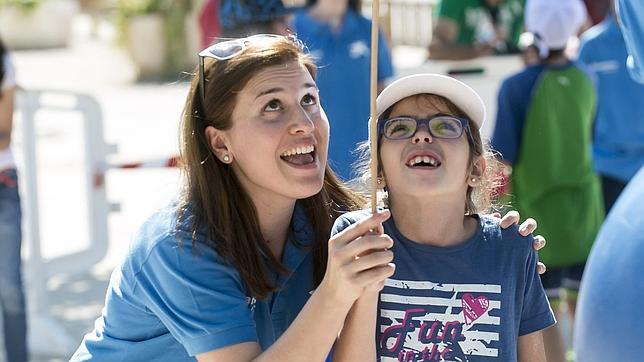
(553, 22)
(456, 91)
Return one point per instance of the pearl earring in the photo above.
(473, 179)
(226, 158)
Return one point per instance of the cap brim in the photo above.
(459, 93)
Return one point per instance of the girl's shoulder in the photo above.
(349, 218)
(504, 238)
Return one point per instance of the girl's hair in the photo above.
(355, 5)
(215, 202)
(480, 199)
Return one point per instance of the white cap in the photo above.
(553, 22)
(454, 90)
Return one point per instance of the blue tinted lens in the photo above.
(226, 49)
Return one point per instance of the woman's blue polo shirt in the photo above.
(169, 301)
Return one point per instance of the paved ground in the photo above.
(141, 120)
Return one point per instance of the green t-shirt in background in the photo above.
(553, 178)
(475, 22)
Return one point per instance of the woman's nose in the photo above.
(302, 122)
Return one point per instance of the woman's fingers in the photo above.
(371, 260)
(376, 275)
(363, 227)
(511, 218)
(541, 268)
(365, 245)
(538, 243)
(527, 227)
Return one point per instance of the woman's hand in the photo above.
(358, 258)
(526, 228)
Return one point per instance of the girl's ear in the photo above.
(218, 143)
(478, 169)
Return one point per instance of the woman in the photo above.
(12, 298)
(241, 267)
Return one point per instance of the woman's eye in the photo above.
(309, 100)
(273, 106)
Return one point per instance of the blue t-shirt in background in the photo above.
(618, 142)
(170, 302)
(468, 302)
(343, 60)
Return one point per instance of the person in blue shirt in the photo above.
(631, 20)
(618, 137)
(240, 18)
(339, 38)
(463, 289)
(241, 266)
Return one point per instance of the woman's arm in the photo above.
(530, 348)
(312, 334)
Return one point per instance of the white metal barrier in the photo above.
(46, 336)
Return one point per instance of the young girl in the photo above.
(463, 289)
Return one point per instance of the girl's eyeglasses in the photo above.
(439, 126)
(226, 50)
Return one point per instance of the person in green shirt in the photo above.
(467, 29)
(543, 130)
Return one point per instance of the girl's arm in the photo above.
(531, 349)
(312, 334)
(357, 339)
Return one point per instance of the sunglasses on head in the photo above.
(439, 126)
(229, 49)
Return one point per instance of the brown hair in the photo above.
(479, 199)
(214, 200)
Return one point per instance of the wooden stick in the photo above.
(373, 120)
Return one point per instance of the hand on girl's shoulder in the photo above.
(510, 235)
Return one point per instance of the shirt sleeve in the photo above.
(385, 67)
(199, 298)
(9, 78)
(536, 313)
(506, 136)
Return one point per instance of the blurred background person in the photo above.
(339, 38)
(597, 10)
(543, 131)
(618, 142)
(631, 21)
(209, 26)
(241, 18)
(467, 29)
(12, 298)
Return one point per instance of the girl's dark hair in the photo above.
(478, 200)
(213, 199)
(355, 5)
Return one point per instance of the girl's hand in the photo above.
(527, 227)
(358, 258)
